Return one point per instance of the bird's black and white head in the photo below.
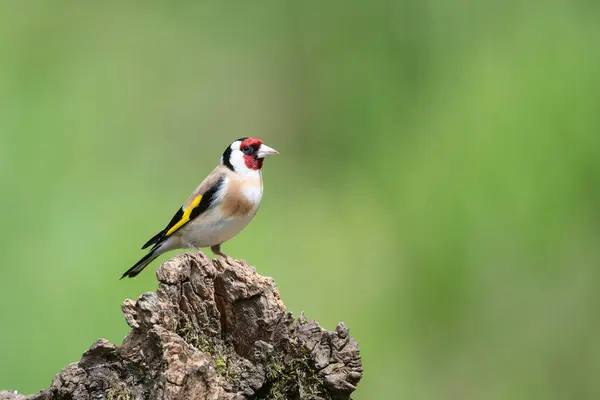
(245, 156)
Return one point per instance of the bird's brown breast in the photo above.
(235, 202)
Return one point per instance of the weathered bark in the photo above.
(213, 330)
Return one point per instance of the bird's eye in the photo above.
(246, 149)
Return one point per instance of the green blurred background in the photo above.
(438, 187)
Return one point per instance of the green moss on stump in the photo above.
(119, 393)
(296, 378)
(220, 355)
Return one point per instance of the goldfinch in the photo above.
(223, 204)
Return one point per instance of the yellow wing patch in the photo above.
(186, 215)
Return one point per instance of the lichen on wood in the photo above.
(214, 330)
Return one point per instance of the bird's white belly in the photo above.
(213, 229)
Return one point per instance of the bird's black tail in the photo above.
(140, 265)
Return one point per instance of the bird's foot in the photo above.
(217, 250)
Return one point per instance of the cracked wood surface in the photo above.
(213, 330)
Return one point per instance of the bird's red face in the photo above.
(246, 155)
(250, 148)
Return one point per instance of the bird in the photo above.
(220, 207)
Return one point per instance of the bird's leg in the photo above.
(217, 250)
(191, 246)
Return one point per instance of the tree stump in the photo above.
(213, 330)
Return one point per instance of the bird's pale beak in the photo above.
(265, 151)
